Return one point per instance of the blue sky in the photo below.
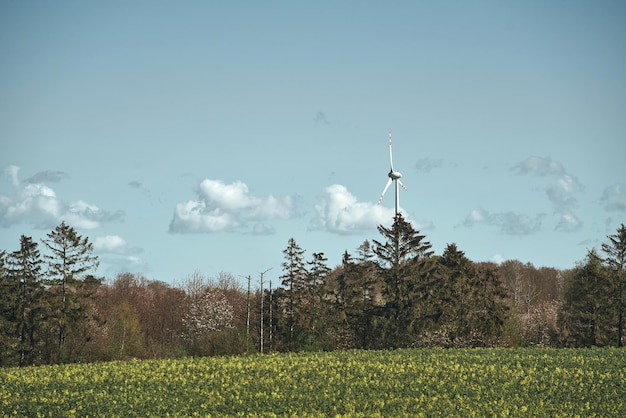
(186, 137)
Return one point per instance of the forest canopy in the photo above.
(393, 292)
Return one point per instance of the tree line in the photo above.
(393, 292)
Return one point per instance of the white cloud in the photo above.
(339, 211)
(82, 215)
(223, 207)
(614, 197)
(540, 166)
(116, 264)
(39, 205)
(561, 193)
(116, 256)
(568, 184)
(110, 244)
(226, 196)
(476, 216)
(510, 223)
(193, 216)
(271, 207)
(569, 223)
(36, 204)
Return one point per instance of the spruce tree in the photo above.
(491, 308)
(404, 262)
(8, 302)
(471, 301)
(585, 317)
(344, 296)
(457, 293)
(24, 271)
(68, 286)
(367, 285)
(615, 251)
(293, 279)
(315, 307)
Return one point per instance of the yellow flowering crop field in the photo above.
(455, 382)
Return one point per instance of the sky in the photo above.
(200, 136)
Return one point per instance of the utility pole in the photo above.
(248, 318)
(262, 297)
(271, 326)
(247, 315)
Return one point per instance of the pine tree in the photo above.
(71, 258)
(615, 251)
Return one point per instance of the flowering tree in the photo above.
(208, 310)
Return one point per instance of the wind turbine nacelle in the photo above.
(394, 175)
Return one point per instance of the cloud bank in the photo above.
(38, 204)
(226, 207)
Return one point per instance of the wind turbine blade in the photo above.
(390, 155)
(380, 199)
(403, 186)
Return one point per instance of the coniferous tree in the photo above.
(368, 279)
(457, 294)
(24, 271)
(491, 308)
(343, 292)
(314, 309)
(470, 301)
(368, 292)
(278, 320)
(8, 292)
(615, 251)
(585, 316)
(344, 295)
(69, 288)
(404, 259)
(293, 278)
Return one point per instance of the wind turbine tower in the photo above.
(394, 176)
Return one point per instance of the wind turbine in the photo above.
(394, 176)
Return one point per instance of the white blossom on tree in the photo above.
(207, 311)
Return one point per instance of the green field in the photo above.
(470, 382)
